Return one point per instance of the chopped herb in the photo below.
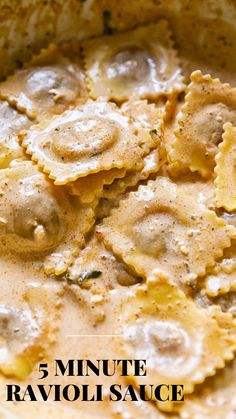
(153, 131)
(88, 275)
(106, 22)
(83, 277)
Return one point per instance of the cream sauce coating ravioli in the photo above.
(37, 219)
(94, 276)
(95, 257)
(216, 398)
(161, 227)
(91, 187)
(222, 277)
(87, 139)
(139, 409)
(152, 164)
(141, 63)
(146, 116)
(11, 122)
(208, 105)
(28, 332)
(31, 217)
(181, 342)
(225, 181)
(111, 216)
(47, 85)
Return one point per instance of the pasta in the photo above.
(47, 85)
(118, 216)
(98, 274)
(208, 105)
(86, 140)
(36, 324)
(145, 116)
(37, 219)
(152, 163)
(95, 257)
(91, 187)
(11, 122)
(142, 60)
(139, 408)
(221, 279)
(182, 343)
(160, 227)
(225, 170)
(217, 399)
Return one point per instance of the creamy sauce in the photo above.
(83, 279)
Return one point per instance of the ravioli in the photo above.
(216, 399)
(149, 117)
(225, 181)
(170, 127)
(222, 277)
(141, 63)
(208, 105)
(91, 187)
(161, 227)
(87, 139)
(118, 208)
(152, 163)
(225, 319)
(112, 194)
(107, 183)
(11, 122)
(27, 333)
(180, 341)
(139, 409)
(174, 169)
(38, 220)
(94, 276)
(227, 302)
(48, 85)
(145, 114)
(96, 258)
(222, 280)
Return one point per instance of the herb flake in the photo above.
(82, 278)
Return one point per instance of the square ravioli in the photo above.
(152, 164)
(49, 84)
(149, 116)
(141, 63)
(36, 321)
(166, 226)
(216, 398)
(181, 342)
(87, 139)
(11, 123)
(221, 279)
(91, 187)
(209, 104)
(225, 181)
(109, 182)
(39, 221)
